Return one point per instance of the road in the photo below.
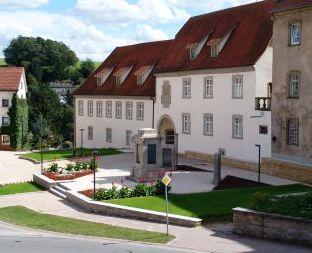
(19, 240)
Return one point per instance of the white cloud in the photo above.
(85, 39)
(16, 4)
(147, 33)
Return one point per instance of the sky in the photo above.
(93, 28)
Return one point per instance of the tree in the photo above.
(18, 113)
(86, 68)
(45, 60)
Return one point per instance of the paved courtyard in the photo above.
(115, 169)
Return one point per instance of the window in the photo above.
(237, 127)
(109, 109)
(140, 111)
(186, 123)
(90, 133)
(208, 124)
(128, 137)
(80, 107)
(118, 110)
(90, 108)
(193, 53)
(151, 153)
(5, 102)
(263, 129)
(208, 87)
(186, 87)
(5, 139)
(295, 34)
(293, 132)
(99, 109)
(129, 109)
(109, 135)
(237, 90)
(140, 79)
(169, 136)
(214, 50)
(294, 82)
(119, 80)
(5, 121)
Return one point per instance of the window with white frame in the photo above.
(128, 137)
(293, 132)
(295, 34)
(208, 87)
(5, 121)
(108, 109)
(109, 135)
(186, 123)
(237, 127)
(99, 109)
(294, 83)
(237, 87)
(119, 80)
(5, 102)
(129, 110)
(80, 107)
(118, 110)
(140, 111)
(90, 108)
(90, 133)
(208, 124)
(214, 50)
(186, 89)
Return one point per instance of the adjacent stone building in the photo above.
(292, 81)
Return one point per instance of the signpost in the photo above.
(166, 181)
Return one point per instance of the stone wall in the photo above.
(269, 166)
(272, 226)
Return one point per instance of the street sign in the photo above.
(166, 180)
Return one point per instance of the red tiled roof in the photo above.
(285, 5)
(251, 34)
(10, 78)
(138, 56)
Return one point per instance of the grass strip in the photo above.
(209, 206)
(24, 217)
(19, 188)
(51, 155)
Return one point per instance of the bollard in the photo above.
(216, 168)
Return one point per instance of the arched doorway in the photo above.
(169, 141)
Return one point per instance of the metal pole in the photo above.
(259, 162)
(41, 155)
(166, 190)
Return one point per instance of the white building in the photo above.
(12, 80)
(213, 85)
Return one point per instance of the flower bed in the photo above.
(139, 190)
(70, 172)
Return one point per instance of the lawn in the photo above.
(209, 206)
(2, 62)
(52, 155)
(19, 188)
(22, 216)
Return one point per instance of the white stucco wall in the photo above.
(21, 93)
(222, 106)
(119, 126)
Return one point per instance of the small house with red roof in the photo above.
(12, 81)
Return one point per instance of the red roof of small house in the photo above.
(286, 5)
(10, 78)
(122, 58)
(251, 30)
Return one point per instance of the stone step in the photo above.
(58, 191)
(63, 186)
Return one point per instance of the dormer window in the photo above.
(214, 51)
(142, 74)
(102, 76)
(195, 48)
(121, 74)
(193, 53)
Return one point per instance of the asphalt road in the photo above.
(15, 240)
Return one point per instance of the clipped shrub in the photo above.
(67, 145)
(160, 188)
(125, 192)
(259, 200)
(69, 167)
(54, 168)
